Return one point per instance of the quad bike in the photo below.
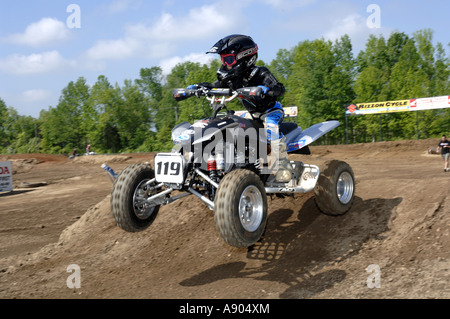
(224, 160)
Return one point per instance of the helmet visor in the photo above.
(228, 59)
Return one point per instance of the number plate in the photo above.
(169, 168)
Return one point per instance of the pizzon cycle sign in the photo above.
(6, 183)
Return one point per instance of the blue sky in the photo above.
(44, 46)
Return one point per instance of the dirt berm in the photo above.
(398, 229)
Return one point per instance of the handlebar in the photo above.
(219, 95)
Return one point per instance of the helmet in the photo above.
(238, 54)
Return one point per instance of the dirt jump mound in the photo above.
(391, 244)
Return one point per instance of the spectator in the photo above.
(444, 147)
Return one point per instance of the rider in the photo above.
(239, 54)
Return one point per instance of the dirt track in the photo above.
(400, 221)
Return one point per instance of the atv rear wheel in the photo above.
(241, 208)
(335, 189)
(128, 198)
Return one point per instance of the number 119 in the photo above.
(174, 168)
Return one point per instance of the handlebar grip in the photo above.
(182, 94)
(252, 93)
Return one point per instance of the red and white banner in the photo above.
(429, 103)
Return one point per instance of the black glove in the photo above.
(199, 85)
(205, 85)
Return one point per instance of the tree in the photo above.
(150, 82)
(4, 134)
(133, 117)
(282, 65)
(374, 83)
(62, 127)
(104, 101)
(442, 72)
(340, 84)
(26, 134)
(321, 82)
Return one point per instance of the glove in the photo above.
(199, 85)
(264, 92)
(206, 85)
(192, 87)
(265, 89)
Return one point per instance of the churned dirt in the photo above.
(399, 224)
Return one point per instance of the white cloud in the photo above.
(199, 23)
(352, 25)
(355, 26)
(167, 64)
(37, 63)
(113, 49)
(119, 6)
(35, 95)
(44, 32)
(287, 4)
(161, 38)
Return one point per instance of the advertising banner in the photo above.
(291, 111)
(6, 183)
(378, 107)
(429, 103)
(426, 103)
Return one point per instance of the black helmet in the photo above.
(238, 53)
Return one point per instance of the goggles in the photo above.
(231, 58)
(228, 59)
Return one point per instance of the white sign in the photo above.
(428, 103)
(6, 183)
(169, 168)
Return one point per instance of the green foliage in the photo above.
(401, 68)
(4, 132)
(18, 133)
(320, 77)
(62, 127)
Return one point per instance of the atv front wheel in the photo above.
(129, 198)
(241, 208)
(335, 189)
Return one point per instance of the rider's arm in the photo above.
(276, 88)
